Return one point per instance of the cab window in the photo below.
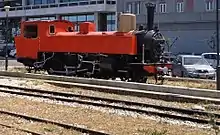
(70, 29)
(30, 31)
(52, 29)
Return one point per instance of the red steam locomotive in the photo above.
(55, 47)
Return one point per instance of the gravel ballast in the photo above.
(37, 127)
(108, 120)
(39, 84)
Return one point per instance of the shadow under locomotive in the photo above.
(129, 54)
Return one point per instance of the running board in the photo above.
(67, 72)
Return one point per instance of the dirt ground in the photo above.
(189, 84)
(9, 131)
(110, 122)
(37, 127)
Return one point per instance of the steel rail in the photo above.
(54, 96)
(166, 96)
(111, 100)
(17, 128)
(142, 92)
(64, 125)
(206, 93)
(153, 94)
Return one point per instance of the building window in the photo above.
(209, 5)
(72, 18)
(90, 18)
(111, 22)
(129, 7)
(163, 7)
(36, 2)
(82, 18)
(179, 6)
(137, 8)
(50, 1)
(77, 19)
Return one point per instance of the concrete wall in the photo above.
(190, 41)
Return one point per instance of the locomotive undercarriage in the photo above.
(98, 66)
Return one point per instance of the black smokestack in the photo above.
(150, 15)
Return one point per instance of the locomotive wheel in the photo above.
(138, 77)
(29, 69)
(142, 79)
(56, 65)
(122, 79)
(135, 78)
(113, 78)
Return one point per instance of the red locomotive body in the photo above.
(54, 36)
(90, 42)
(54, 46)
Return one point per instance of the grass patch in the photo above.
(152, 132)
(189, 84)
(24, 70)
(18, 69)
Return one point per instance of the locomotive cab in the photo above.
(28, 42)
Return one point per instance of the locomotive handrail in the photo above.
(64, 4)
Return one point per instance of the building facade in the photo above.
(191, 22)
(101, 12)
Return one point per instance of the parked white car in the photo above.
(211, 58)
(192, 66)
(12, 53)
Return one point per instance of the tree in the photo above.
(212, 42)
(170, 43)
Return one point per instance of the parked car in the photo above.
(211, 58)
(13, 53)
(192, 66)
(2, 52)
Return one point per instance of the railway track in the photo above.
(20, 129)
(138, 107)
(167, 93)
(162, 95)
(64, 125)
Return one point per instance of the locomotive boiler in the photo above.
(127, 53)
